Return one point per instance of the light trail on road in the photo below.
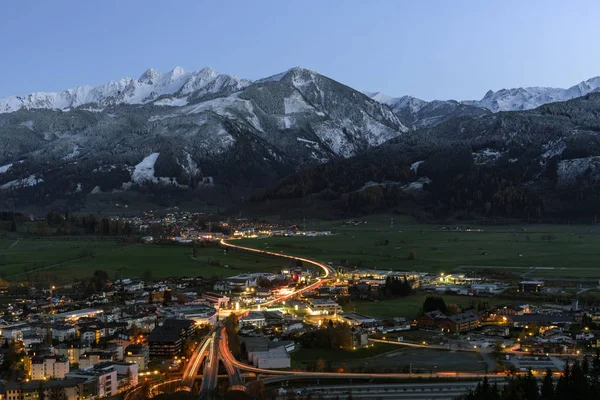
(233, 366)
(350, 375)
(328, 271)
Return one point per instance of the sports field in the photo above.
(536, 251)
(64, 260)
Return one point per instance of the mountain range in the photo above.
(168, 137)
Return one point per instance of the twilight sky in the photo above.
(430, 49)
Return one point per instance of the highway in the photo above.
(327, 270)
(191, 369)
(215, 345)
(235, 378)
(211, 369)
(226, 354)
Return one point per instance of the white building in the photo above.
(134, 287)
(105, 379)
(63, 333)
(139, 354)
(254, 318)
(76, 314)
(217, 300)
(30, 339)
(203, 315)
(49, 367)
(323, 306)
(277, 357)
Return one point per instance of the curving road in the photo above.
(191, 369)
(215, 343)
(226, 354)
(327, 270)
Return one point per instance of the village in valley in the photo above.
(105, 335)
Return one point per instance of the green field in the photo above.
(572, 251)
(411, 306)
(303, 356)
(63, 260)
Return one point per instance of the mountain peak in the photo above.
(207, 71)
(149, 76)
(489, 94)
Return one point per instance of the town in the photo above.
(137, 336)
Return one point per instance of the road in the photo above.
(216, 345)
(191, 369)
(211, 368)
(328, 272)
(226, 354)
(426, 391)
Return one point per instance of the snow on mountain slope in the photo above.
(144, 171)
(149, 87)
(5, 168)
(532, 97)
(420, 113)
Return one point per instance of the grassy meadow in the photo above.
(571, 251)
(524, 251)
(64, 260)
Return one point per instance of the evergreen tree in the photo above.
(547, 386)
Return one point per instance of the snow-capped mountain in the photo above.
(418, 113)
(175, 86)
(182, 131)
(421, 113)
(184, 134)
(542, 164)
(532, 97)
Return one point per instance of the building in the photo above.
(166, 340)
(519, 321)
(91, 358)
(103, 379)
(66, 389)
(357, 319)
(268, 355)
(436, 320)
(138, 354)
(217, 300)
(63, 333)
(531, 286)
(464, 322)
(49, 367)
(254, 318)
(323, 306)
(75, 315)
(90, 335)
(72, 352)
(273, 358)
(202, 315)
(108, 378)
(31, 339)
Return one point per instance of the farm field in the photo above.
(63, 260)
(565, 251)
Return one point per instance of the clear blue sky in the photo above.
(430, 49)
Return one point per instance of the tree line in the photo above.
(578, 381)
